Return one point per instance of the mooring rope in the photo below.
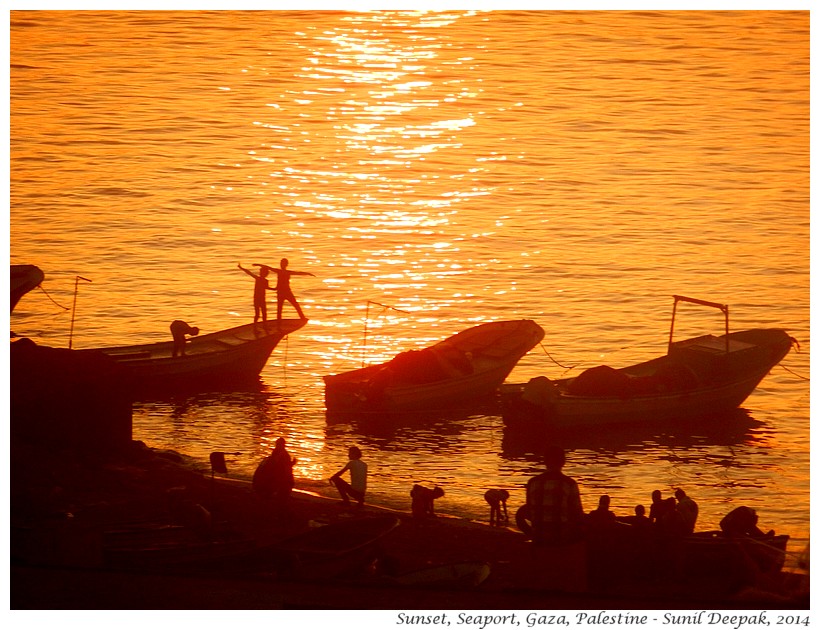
(800, 376)
(40, 286)
(566, 367)
(795, 344)
(285, 360)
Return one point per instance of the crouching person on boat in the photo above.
(179, 329)
(273, 479)
(742, 521)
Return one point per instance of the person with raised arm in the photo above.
(261, 285)
(284, 293)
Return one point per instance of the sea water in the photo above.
(433, 170)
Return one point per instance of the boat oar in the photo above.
(74, 308)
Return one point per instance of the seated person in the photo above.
(657, 507)
(601, 516)
(357, 487)
(639, 519)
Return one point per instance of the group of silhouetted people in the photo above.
(647, 544)
(673, 516)
(553, 513)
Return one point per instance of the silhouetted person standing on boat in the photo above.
(688, 509)
(273, 479)
(178, 331)
(671, 531)
(657, 507)
(554, 503)
(358, 478)
(283, 291)
(672, 523)
(260, 288)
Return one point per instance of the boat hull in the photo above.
(23, 279)
(711, 552)
(709, 559)
(446, 576)
(721, 383)
(223, 359)
(323, 553)
(338, 549)
(493, 350)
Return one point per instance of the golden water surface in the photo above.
(575, 168)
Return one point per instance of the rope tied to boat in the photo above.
(793, 373)
(796, 345)
(566, 367)
(65, 308)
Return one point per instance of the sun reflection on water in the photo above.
(429, 161)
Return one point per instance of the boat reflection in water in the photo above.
(436, 436)
(447, 421)
(733, 428)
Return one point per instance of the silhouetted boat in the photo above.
(700, 376)
(23, 278)
(460, 369)
(456, 575)
(169, 548)
(710, 559)
(713, 552)
(224, 358)
(334, 550)
(321, 553)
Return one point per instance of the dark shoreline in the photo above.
(62, 504)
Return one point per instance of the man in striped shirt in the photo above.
(554, 503)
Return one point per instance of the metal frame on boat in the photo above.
(699, 376)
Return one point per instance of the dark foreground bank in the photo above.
(106, 532)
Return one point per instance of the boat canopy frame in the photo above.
(682, 298)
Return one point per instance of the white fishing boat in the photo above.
(696, 377)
